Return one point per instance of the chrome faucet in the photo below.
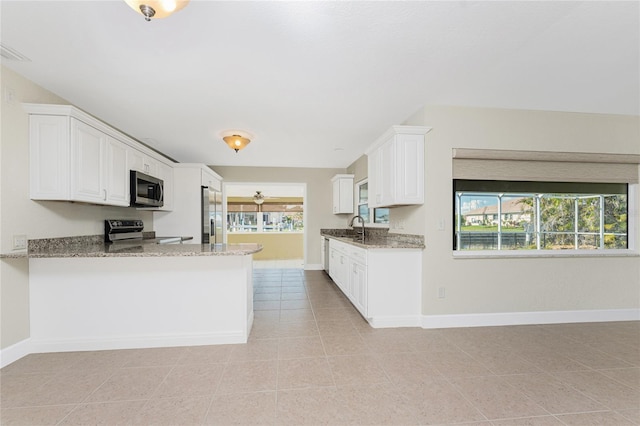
(361, 232)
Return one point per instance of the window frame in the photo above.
(371, 222)
(261, 224)
(633, 239)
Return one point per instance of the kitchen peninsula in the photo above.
(88, 295)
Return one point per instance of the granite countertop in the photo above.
(377, 243)
(376, 239)
(151, 250)
(92, 246)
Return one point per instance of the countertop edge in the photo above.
(375, 245)
(14, 255)
(178, 250)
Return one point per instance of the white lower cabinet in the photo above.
(358, 287)
(338, 267)
(384, 285)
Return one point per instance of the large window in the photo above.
(379, 217)
(507, 215)
(268, 217)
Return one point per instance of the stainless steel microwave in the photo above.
(146, 191)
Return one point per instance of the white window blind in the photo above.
(544, 166)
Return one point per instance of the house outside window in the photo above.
(540, 216)
(380, 216)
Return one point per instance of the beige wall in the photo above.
(36, 219)
(318, 208)
(515, 285)
(276, 246)
(359, 169)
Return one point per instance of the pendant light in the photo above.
(156, 8)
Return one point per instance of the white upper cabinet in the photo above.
(99, 172)
(396, 167)
(342, 194)
(75, 157)
(49, 157)
(165, 172)
(142, 162)
(117, 172)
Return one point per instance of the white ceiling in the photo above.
(316, 82)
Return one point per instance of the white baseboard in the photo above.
(313, 267)
(136, 342)
(526, 318)
(395, 321)
(15, 352)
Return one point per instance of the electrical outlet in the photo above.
(9, 96)
(19, 242)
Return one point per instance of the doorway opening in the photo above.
(271, 214)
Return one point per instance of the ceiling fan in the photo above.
(259, 197)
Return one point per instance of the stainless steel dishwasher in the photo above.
(326, 254)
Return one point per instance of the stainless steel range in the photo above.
(130, 231)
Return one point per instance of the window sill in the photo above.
(376, 225)
(521, 254)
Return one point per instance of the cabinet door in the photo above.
(409, 169)
(343, 274)
(165, 172)
(139, 161)
(117, 173)
(381, 183)
(333, 263)
(151, 166)
(49, 157)
(336, 196)
(343, 195)
(87, 163)
(135, 160)
(386, 174)
(359, 287)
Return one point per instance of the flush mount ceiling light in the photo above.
(156, 8)
(236, 142)
(258, 198)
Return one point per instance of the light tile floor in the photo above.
(312, 359)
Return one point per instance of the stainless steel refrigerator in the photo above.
(212, 219)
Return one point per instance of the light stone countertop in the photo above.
(153, 250)
(378, 242)
(66, 248)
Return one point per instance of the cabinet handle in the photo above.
(105, 194)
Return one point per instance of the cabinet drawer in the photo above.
(339, 246)
(358, 254)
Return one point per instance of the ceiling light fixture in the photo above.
(258, 198)
(156, 8)
(236, 142)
